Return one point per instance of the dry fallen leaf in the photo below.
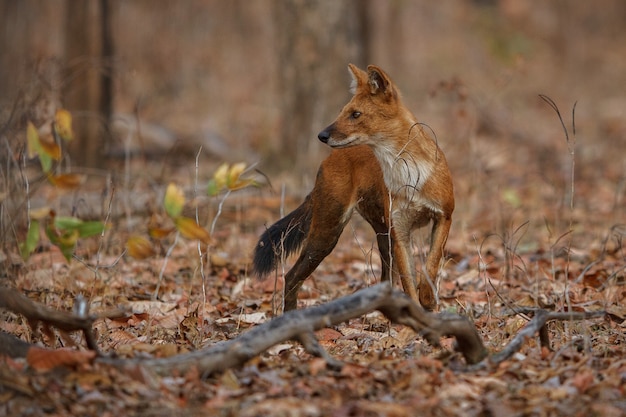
(46, 359)
(139, 247)
(140, 307)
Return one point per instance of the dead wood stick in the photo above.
(34, 312)
(312, 345)
(537, 325)
(16, 302)
(12, 346)
(299, 324)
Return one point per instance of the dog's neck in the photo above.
(406, 166)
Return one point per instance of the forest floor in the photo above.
(389, 370)
(526, 233)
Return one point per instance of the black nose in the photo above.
(324, 135)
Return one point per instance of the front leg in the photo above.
(402, 264)
(439, 236)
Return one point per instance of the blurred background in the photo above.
(256, 80)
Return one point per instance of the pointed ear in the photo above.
(379, 82)
(359, 78)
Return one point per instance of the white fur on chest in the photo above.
(405, 176)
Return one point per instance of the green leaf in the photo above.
(67, 249)
(212, 189)
(67, 223)
(174, 200)
(35, 147)
(65, 240)
(74, 224)
(46, 162)
(512, 197)
(32, 238)
(90, 228)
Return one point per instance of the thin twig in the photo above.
(165, 261)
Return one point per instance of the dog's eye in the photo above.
(355, 114)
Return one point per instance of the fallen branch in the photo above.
(35, 313)
(538, 326)
(12, 346)
(300, 325)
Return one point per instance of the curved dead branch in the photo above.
(36, 313)
(298, 325)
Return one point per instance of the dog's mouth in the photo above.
(343, 144)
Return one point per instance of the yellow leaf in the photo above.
(221, 176)
(32, 140)
(174, 200)
(191, 230)
(63, 124)
(241, 184)
(139, 247)
(156, 229)
(159, 232)
(235, 172)
(40, 213)
(48, 146)
(66, 181)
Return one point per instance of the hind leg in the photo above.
(371, 206)
(384, 241)
(308, 261)
(384, 247)
(321, 240)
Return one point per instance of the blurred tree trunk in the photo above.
(89, 48)
(316, 41)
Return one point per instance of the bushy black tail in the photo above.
(282, 239)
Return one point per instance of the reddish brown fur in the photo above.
(398, 181)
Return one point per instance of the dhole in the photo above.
(387, 168)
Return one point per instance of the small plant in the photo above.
(49, 148)
(63, 231)
(174, 202)
(229, 177)
(226, 177)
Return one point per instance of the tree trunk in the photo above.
(89, 48)
(316, 41)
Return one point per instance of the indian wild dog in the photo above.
(387, 168)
